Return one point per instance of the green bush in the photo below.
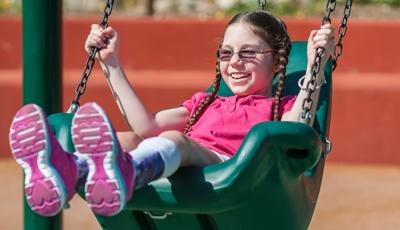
(9, 7)
(380, 2)
(295, 7)
(285, 7)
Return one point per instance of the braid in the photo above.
(199, 110)
(283, 60)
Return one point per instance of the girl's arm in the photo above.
(140, 119)
(318, 38)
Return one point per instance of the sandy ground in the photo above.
(352, 197)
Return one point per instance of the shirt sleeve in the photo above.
(287, 104)
(195, 101)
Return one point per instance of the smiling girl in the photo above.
(206, 129)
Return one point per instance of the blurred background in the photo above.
(214, 8)
(360, 188)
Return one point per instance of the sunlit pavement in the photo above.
(352, 197)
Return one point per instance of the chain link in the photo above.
(330, 7)
(341, 33)
(262, 4)
(80, 89)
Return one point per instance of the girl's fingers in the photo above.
(94, 26)
(103, 34)
(324, 44)
(320, 37)
(327, 27)
(320, 44)
(97, 33)
(97, 38)
(94, 42)
(312, 35)
(96, 29)
(98, 41)
(324, 32)
(109, 31)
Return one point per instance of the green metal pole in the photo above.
(42, 27)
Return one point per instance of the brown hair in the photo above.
(273, 31)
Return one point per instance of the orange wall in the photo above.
(176, 58)
(370, 46)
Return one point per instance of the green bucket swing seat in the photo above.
(272, 182)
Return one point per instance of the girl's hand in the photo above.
(107, 41)
(322, 38)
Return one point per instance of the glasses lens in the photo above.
(248, 54)
(224, 55)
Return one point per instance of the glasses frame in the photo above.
(241, 56)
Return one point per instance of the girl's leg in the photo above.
(128, 140)
(114, 174)
(161, 156)
(50, 172)
(192, 153)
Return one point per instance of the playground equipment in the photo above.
(272, 182)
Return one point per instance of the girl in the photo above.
(206, 129)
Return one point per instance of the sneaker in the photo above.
(50, 172)
(109, 184)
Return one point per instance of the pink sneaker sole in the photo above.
(31, 147)
(93, 136)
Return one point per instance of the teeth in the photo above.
(238, 75)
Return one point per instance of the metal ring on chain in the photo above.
(301, 80)
(262, 4)
(327, 147)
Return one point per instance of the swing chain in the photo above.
(342, 32)
(311, 85)
(80, 89)
(262, 4)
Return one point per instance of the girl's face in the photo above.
(248, 74)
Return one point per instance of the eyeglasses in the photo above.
(244, 55)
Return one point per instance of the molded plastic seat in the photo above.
(272, 182)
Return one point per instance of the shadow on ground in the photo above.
(352, 197)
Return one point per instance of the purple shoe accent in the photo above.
(49, 170)
(148, 169)
(109, 184)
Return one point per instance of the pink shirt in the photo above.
(225, 123)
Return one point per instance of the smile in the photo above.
(239, 75)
